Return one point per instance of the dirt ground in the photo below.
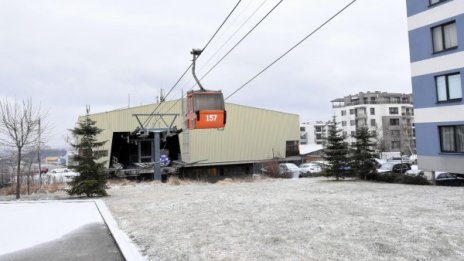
(305, 219)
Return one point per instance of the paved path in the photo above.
(61, 230)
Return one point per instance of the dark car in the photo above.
(448, 179)
(390, 167)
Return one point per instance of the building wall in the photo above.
(250, 133)
(430, 114)
(314, 132)
(354, 111)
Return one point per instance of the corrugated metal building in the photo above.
(251, 135)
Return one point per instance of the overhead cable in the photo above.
(234, 33)
(190, 66)
(292, 48)
(243, 38)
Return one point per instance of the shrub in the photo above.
(401, 179)
(271, 169)
(414, 180)
(174, 180)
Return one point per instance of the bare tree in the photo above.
(19, 129)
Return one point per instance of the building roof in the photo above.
(309, 148)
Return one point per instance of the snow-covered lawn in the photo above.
(305, 219)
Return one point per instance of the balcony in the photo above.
(353, 103)
(361, 115)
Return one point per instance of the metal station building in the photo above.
(161, 144)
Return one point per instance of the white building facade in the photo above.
(313, 132)
(389, 116)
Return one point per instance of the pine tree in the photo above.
(336, 152)
(92, 178)
(362, 159)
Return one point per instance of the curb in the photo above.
(128, 249)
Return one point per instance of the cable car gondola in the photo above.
(205, 108)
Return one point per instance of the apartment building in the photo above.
(436, 43)
(389, 116)
(313, 132)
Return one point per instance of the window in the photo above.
(395, 133)
(345, 134)
(448, 87)
(372, 111)
(374, 133)
(373, 122)
(352, 123)
(351, 111)
(434, 2)
(395, 122)
(353, 133)
(343, 123)
(444, 37)
(291, 148)
(302, 129)
(395, 145)
(393, 110)
(452, 138)
(343, 112)
(318, 136)
(318, 128)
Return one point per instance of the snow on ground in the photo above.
(305, 219)
(26, 224)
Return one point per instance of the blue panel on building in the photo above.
(420, 40)
(425, 92)
(418, 6)
(428, 135)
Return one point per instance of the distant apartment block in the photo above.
(389, 116)
(313, 132)
(436, 43)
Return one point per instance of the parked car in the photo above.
(378, 162)
(309, 168)
(60, 175)
(404, 159)
(448, 179)
(322, 164)
(414, 171)
(289, 170)
(391, 167)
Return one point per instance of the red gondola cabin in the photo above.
(205, 110)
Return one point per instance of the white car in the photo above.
(60, 175)
(289, 170)
(309, 168)
(414, 171)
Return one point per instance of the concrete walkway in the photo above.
(62, 230)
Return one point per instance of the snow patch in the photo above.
(26, 224)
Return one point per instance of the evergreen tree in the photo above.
(336, 152)
(362, 159)
(92, 178)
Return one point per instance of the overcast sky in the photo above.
(66, 54)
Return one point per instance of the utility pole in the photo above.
(38, 154)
